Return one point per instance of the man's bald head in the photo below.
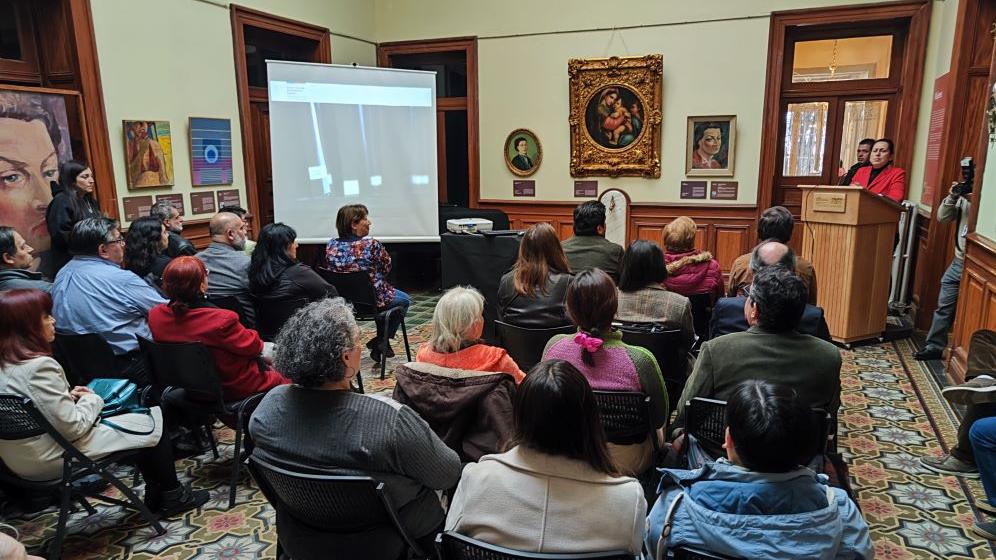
(229, 229)
(772, 253)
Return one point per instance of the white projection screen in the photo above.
(353, 135)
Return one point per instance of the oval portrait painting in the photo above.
(523, 153)
(614, 117)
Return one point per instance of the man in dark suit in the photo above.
(728, 313)
(171, 218)
(770, 350)
(521, 161)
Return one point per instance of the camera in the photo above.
(967, 177)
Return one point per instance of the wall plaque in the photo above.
(724, 190)
(586, 188)
(176, 199)
(136, 206)
(523, 188)
(202, 203)
(693, 189)
(228, 198)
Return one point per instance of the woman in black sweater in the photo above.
(74, 202)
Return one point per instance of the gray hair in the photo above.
(455, 313)
(310, 346)
(757, 262)
(163, 209)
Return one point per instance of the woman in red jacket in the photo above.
(690, 272)
(190, 317)
(881, 177)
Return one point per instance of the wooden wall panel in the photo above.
(731, 242)
(976, 301)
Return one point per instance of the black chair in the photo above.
(232, 303)
(84, 357)
(20, 419)
(701, 313)
(524, 345)
(687, 553)
(454, 546)
(627, 419)
(271, 314)
(341, 506)
(187, 371)
(357, 289)
(666, 346)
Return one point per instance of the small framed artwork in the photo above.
(149, 154)
(711, 145)
(210, 151)
(523, 152)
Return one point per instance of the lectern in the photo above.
(849, 237)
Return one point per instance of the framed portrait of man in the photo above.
(148, 153)
(710, 146)
(523, 152)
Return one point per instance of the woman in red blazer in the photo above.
(881, 177)
(189, 317)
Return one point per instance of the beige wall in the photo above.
(195, 75)
(986, 224)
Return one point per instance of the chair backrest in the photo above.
(16, 420)
(354, 287)
(701, 313)
(84, 357)
(625, 416)
(183, 365)
(271, 314)
(454, 546)
(686, 553)
(230, 303)
(706, 420)
(666, 346)
(525, 346)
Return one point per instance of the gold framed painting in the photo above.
(523, 152)
(615, 116)
(148, 154)
(711, 146)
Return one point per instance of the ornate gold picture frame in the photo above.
(615, 116)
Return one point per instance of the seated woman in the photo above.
(275, 273)
(760, 502)
(318, 423)
(606, 361)
(190, 317)
(557, 489)
(27, 330)
(690, 272)
(882, 177)
(643, 297)
(455, 342)
(144, 252)
(354, 251)
(532, 294)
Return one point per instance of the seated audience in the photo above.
(983, 436)
(775, 224)
(760, 502)
(27, 330)
(190, 317)
(144, 249)
(606, 361)
(770, 350)
(355, 251)
(165, 212)
(728, 312)
(275, 273)
(643, 297)
(557, 490)
(690, 272)
(531, 295)
(74, 202)
(16, 257)
(227, 264)
(319, 423)
(589, 248)
(93, 294)
(241, 213)
(455, 342)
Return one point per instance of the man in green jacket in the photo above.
(589, 248)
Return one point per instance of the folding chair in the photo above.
(454, 546)
(524, 345)
(84, 357)
(271, 314)
(666, 346)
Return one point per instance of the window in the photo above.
(805, 139)
(847, 58)
(450, 68)
(10, 40)
(862, 119)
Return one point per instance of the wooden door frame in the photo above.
(468, 45)
(243, 17)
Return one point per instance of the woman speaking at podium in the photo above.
(882, 177)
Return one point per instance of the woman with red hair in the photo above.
(190, 317)
(27, 368)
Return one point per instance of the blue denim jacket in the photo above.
(730, 510)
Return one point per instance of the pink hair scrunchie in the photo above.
(588, 342)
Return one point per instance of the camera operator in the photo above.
(954, 208)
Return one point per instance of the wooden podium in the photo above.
(849, 235)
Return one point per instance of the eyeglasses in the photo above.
(113, 241)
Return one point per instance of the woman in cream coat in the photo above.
(557, 490)
(27, 330)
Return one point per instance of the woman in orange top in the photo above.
(457, 324)
(881, 177)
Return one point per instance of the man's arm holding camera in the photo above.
(948, 210)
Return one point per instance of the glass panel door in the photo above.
(805, 139)
(862, 119)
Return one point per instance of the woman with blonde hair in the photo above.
(532, 294)
(690, 271)
(455, 342)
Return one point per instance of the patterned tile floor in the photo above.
(892, 414)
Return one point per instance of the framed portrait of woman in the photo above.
(711, 146)
(523, 152)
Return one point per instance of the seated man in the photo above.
(171, 218)
(775, 224)
(589, 248)
(241, 213)
(93, 294)
(770, 350)
(728, 313)
(227, 264)
(16, 257)
(760, 502)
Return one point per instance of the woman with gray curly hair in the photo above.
(320, 424)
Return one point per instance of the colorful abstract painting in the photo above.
(210, 151)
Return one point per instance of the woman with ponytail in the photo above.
(190, 317)
(606, 361)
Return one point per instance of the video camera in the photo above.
(967, 178)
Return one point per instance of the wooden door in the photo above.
(260, 119)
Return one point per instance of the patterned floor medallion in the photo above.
(892, 414)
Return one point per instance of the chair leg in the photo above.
(86, 505)
(404, 334)
(359, 383)
(236, 457)
(133, 498)
(385, 343)
(211, 440)
(55, 547)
